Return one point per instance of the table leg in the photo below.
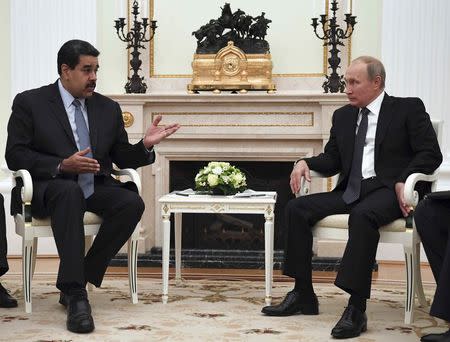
(268, 248)
(165, 258)
(178, 223)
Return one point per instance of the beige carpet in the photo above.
(205, 310)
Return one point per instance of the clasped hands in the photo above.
(301, 170)
(79, 163)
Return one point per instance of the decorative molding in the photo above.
(307, 115)
(329, 183)
(128, 119)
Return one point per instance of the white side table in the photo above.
(177, 204)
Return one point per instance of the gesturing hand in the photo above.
(155, 134)
(78, 163)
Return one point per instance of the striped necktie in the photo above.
(85, 180)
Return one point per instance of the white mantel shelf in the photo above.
(227, 97)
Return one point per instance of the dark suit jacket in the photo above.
(405, 142)
(40, 137)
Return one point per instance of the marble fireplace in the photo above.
(254, 127)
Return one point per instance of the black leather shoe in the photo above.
(444, 337)
(6, 300)
(352, 323)
(293, 303)
(79, 318)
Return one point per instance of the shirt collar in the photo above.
(67, 97)
(375, 105)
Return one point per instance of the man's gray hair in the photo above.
(374, 68)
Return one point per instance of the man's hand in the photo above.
(78, 163)
(300, 170)
(155, 134)
(399, 190)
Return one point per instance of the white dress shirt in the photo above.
(67, 99)
(368, 160)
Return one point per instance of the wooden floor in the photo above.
(388, 272)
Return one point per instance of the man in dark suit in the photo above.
(6, 300)
(376, 142)
(68, 136)
(432, 217)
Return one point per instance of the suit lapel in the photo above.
(91, 106)
(59, 112)
(384, 119)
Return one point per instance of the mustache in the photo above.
(91, 85)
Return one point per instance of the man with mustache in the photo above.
(6, 300)
(376, 141)
(68, 136)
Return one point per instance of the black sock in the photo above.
(358, 302)
(304, 287)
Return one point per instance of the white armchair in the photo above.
(401, 231)
(30, 229)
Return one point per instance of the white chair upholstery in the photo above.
(400, 231)
(30, 229)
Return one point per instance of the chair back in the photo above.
(438, 128)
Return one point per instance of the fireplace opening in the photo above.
(230, 240)
(244, 232)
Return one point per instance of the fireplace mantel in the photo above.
(284, 126)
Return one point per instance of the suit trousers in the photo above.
(3, 245)
(120, 208)
(376, 207)
(432, 219)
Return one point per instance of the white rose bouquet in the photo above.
(220, 178)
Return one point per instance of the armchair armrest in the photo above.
(411, 196)
(27, 189)
(133, 174)
(305, 185)
(26, 193)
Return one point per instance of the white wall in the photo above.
(33, 51)
(113, 59)
(5, 84)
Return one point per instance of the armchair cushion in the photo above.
(341, 221)
(89, 218)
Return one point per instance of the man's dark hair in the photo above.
(71, 51)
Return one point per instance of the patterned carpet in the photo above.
(205, 310)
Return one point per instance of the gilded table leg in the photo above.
(268, 248)
(165, 257)
(178, 223)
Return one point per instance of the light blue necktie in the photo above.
(85, 180)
